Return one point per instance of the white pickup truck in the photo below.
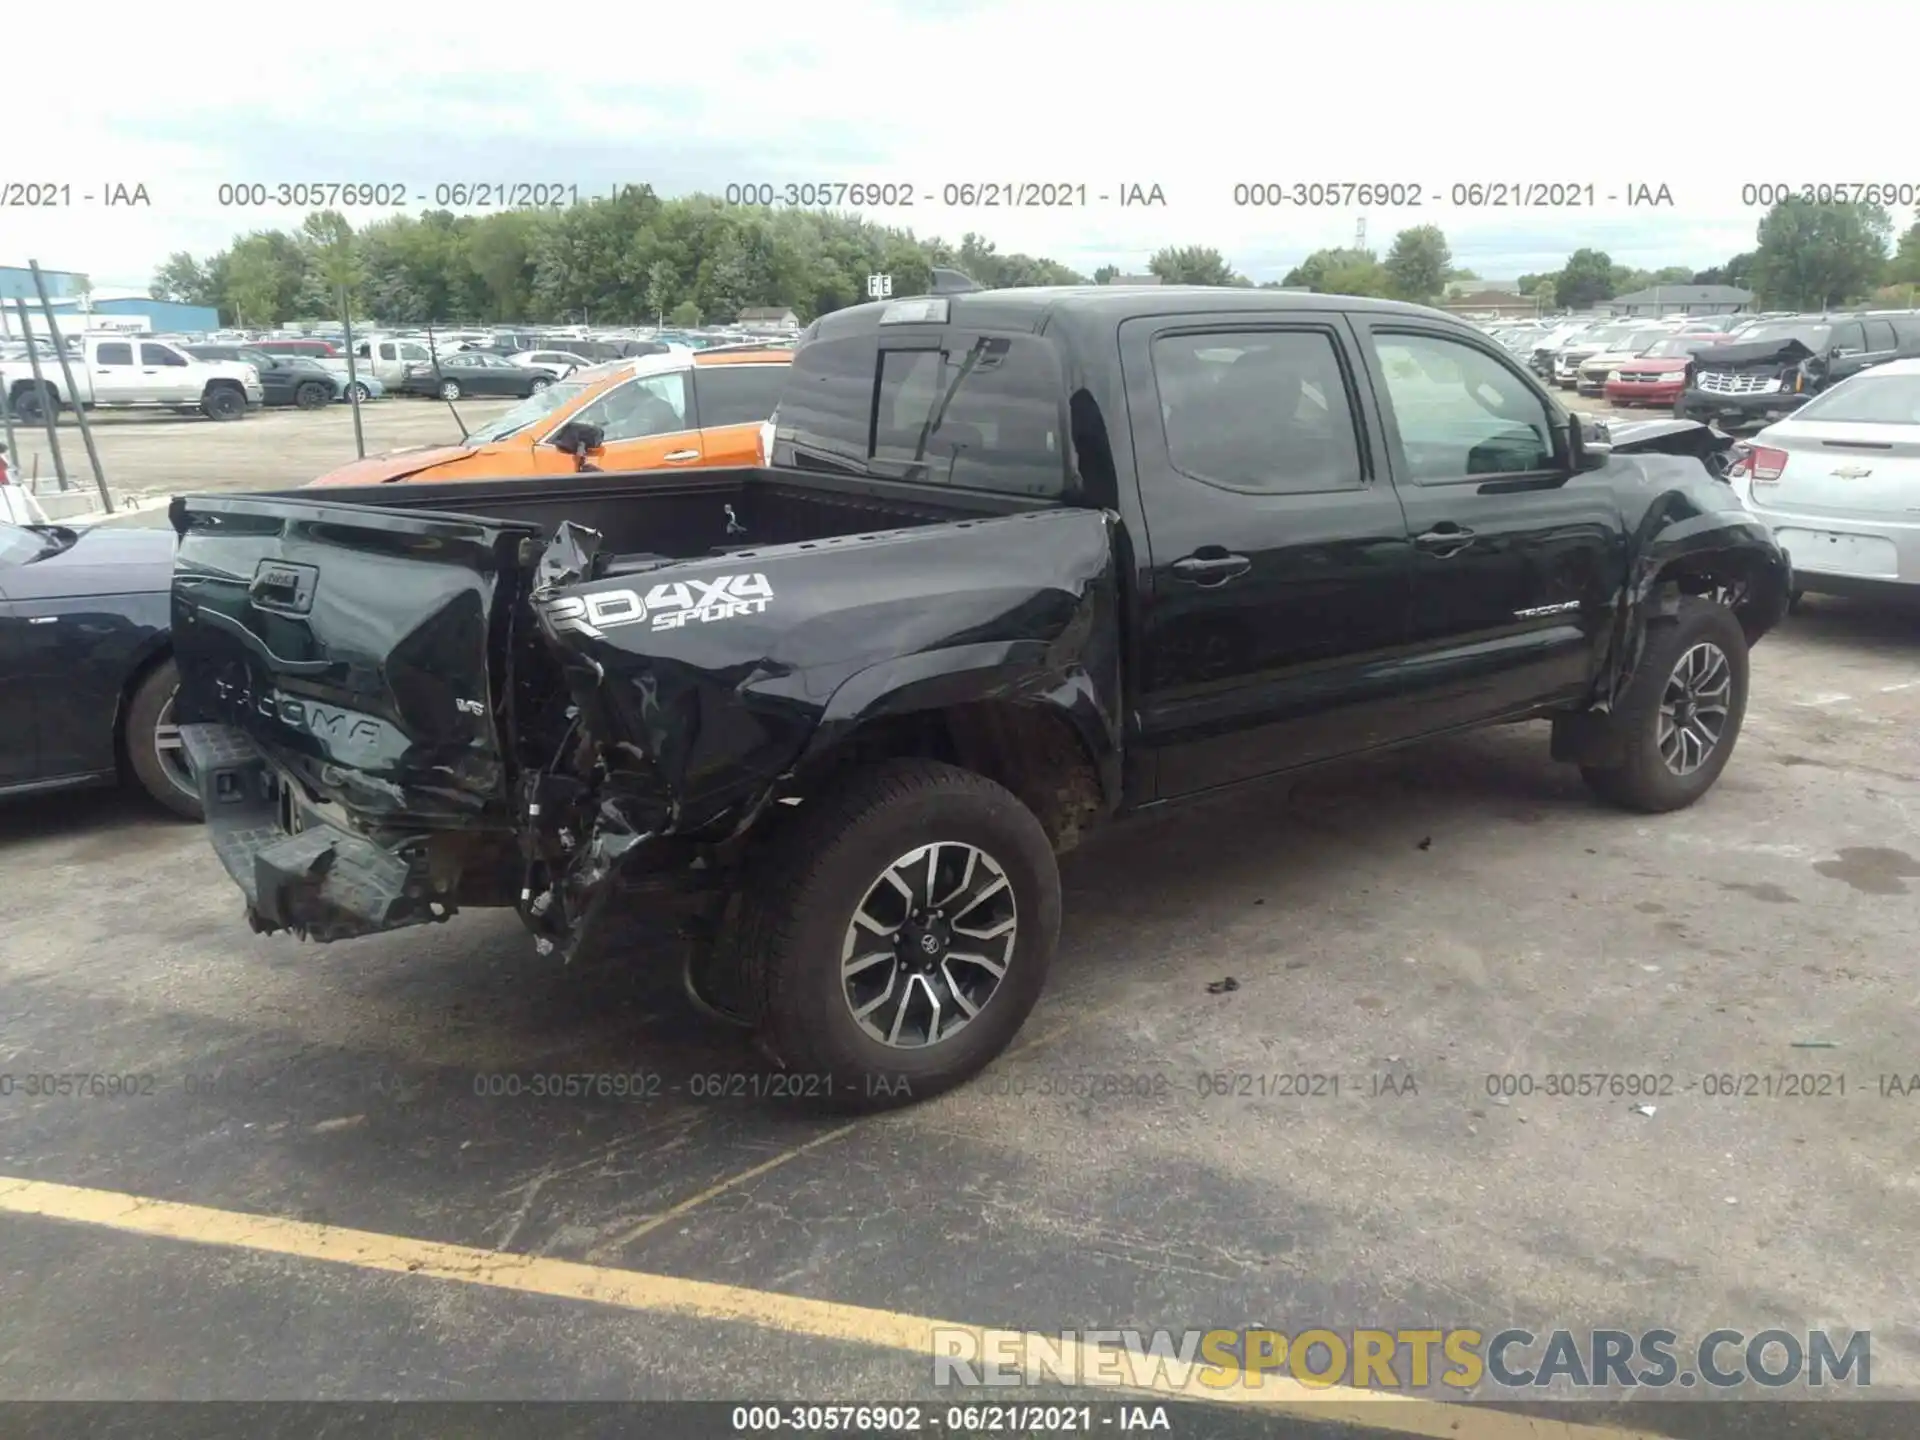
(115, 371)
(387, 356)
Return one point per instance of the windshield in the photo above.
(1868, 400)
(1641, 341)
(528, 412)
(1778, 332)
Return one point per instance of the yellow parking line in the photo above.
(703, 1300)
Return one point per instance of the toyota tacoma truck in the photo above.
(1021, 561)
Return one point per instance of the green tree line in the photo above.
(1806, 256)
(636, 257)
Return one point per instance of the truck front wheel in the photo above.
(1681, 712)
(899, 931)
(223, 402)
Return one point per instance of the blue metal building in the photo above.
(162, 316)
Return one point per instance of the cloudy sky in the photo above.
(1193, 97)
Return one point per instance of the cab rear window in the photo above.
(977, 412)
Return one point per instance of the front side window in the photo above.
(114, 354)
(1265, 411)
(1850, 337)
(1459, 413)
(653, 405)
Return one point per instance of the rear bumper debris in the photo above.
(316, 879)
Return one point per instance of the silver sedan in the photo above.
(1839, 483)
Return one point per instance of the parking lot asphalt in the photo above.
(332, 1178)
(155, 453)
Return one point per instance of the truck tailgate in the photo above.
(350, 646)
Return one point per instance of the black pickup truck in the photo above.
(1024, 560)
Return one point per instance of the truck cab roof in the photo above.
(1031, 308)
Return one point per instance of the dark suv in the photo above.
(1773, 368)
(284, 379)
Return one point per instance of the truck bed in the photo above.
(681, 518)
(371, 679)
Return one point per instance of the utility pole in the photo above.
(66, 369)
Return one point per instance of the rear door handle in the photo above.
(675, 457)
(1445, 539)
(1211, 569)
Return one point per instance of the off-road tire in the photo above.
(1642, 780)
(223, 402)
(149, 701)
(798, 899)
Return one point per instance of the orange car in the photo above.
(657, 412)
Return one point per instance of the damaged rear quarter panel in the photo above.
(786, 649)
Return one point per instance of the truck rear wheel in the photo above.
(1681, 712)
(31, 402)
(898, 932)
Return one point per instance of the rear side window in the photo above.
(978, 412)
(160, 355)
(1869, 399)
(978, 416)
(1258, 410)
(736, 394)
(1906, 332)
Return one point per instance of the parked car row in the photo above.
(293, 379)
(1736, 373)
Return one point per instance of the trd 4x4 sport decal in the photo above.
(668, 605)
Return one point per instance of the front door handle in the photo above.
(1212, 569)
(1445, 539)
(678, 457)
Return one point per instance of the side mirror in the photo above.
(578, 439)
(1589, 443)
